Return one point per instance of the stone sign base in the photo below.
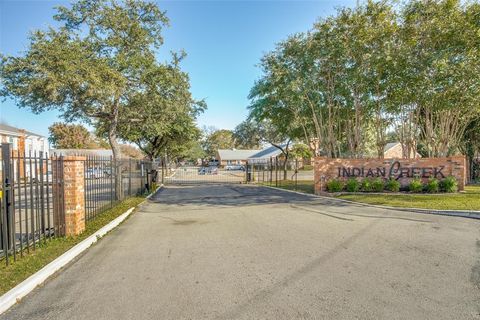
(403, 170)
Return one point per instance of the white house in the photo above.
(23, 140)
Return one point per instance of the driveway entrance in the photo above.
(247, 252)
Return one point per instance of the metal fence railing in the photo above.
(295, 174)
(101, 185)
(32, 194)
(28, 212)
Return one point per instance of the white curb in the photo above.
(151, 194)
(25, 287)
(472, 214)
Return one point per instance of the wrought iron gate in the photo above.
(28, 213)
(203, 174)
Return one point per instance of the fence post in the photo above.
(296, 173)
(271, 170)
(113, 187)
(71, 174)
(276, 171)
(7, 194)
(163, 169)
(130, 176)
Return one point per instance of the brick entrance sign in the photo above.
(401, 169)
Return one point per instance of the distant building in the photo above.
(236, 156)
(264, 155)
(233, 156)
(394, 150)
(23, 140)
(132, 153)
(103, 153)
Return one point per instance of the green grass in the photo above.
(46, 252)
(469, 200)
(305, 186)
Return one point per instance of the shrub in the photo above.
(352, 185)
(367, 185)
(334, 185)
(432, 186)
(415, 185)
(378, 184)
(449, 184)
(392, 185)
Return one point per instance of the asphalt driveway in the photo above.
(246, 252)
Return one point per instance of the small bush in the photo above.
(415, 185)
(367, 185)
(378, 185)
(432, 186)
(352, 185)
(392, 185)
(334, 185)
(449, 184)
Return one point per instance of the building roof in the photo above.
(268, 152)
(234, 154)
(390, 145)
(5, 128)
(250, 155)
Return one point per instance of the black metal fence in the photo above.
(293, 174)
(101, 185)
(32, 194)
(28, 213)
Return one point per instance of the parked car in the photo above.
(93, 173)
(207, 170)
(232, 167)
(213, 163)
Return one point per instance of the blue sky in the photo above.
(224, 41)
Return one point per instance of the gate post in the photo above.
(70, 169)
(7, 198)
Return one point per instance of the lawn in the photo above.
(468, 200)
(305, 186)
(46, 252)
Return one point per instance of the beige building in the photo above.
(227, 157)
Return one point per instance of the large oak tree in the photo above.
(90, 67)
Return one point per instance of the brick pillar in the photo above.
(68, 171)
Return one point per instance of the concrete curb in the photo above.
(151, 194)
(471, 214)
(15, 294)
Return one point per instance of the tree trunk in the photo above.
(285, 163)
(117, 166)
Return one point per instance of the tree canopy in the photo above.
(357, 76)
(71, 136)
(215, 139)
(99, 66)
